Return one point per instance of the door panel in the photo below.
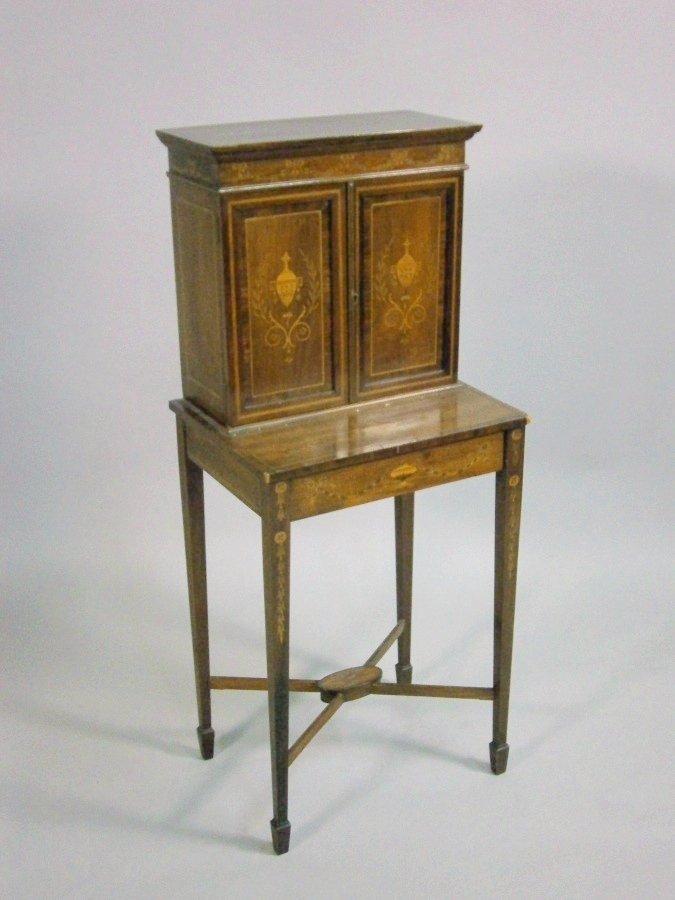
(287, 284)
(407, 246)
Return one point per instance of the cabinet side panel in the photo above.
(199, 285)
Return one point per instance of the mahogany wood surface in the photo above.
(406, 272)
(314, 264)
(352, 683)
(315, 726)
(192, 497)
(351, 131)
(306, 445)
(509, 488)
(380, 478)
(398, 689)
(323, 166)
(388, 642)
(404, 505)
(317, 277)
(276, 534)
(287, 336)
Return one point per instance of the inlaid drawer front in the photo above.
(374, 480)
(287, 270)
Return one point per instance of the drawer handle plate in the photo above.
(405, 470)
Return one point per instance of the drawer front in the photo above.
(287, 335)
(314, 494)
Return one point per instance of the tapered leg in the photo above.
(404, 513)
(507, 530)
(276, 568)
(192, 496)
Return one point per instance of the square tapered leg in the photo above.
(404, 516)
(192, 497)
(507, 529)
(276, 568)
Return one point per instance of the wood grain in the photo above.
(347, 215)
(509, 489)
(407, 241)
(192, 500)
(318, 273)
(199, 287)
(333, 165)
(287, 342)
(382, 428)
(404, 516)
(362, 483)
(276, 541)
(212, 454)
(325, 134)
(353, 683)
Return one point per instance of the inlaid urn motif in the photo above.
(286, 283)
(286, 306)
(406, 268)
(402, 292)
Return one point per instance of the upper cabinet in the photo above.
(317, 260)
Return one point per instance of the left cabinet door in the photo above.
(286, 291)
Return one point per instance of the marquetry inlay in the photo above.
(400, 293)
(285, 308)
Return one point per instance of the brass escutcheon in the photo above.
(403, 471)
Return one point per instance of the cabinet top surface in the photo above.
(361, 127)
(354, 433)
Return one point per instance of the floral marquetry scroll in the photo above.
(287, 286)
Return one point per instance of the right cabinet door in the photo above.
(406, 283)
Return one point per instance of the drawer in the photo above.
(400, 474)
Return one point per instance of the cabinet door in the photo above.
(287, 285)
(406, 283)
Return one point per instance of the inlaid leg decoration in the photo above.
(192, 496)
(404, 514)
(507, 529)
(276, 567)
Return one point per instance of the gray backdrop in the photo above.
(566, 313)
